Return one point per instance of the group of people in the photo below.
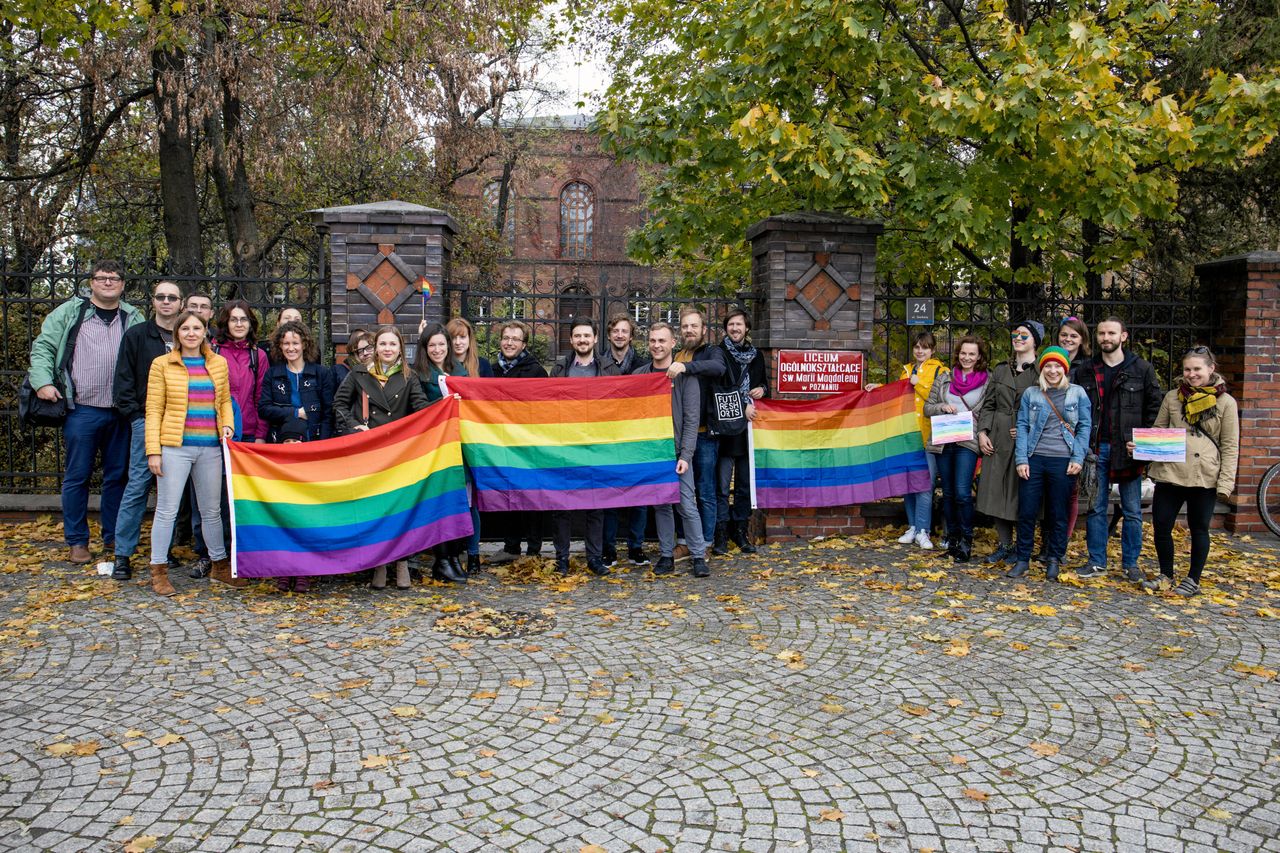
(1039, 419)
(150, 399)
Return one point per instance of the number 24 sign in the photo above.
(920, 311)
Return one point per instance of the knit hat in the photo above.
(1057, 354)
(1036, 329)
(294, 429)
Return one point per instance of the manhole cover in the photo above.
(488, 623)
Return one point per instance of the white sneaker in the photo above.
(909, 536)
(922, 539)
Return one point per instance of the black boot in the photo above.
(963, 551)
(473, 565)
(1019, 570)
(738, 535)
(122, 571)
(720, 547)
(1051, 570)
(455, 569)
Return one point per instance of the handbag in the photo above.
(726, 414)
(35, 412)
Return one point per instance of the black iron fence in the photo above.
(1164, 319)
(31, 459)
(551, 297)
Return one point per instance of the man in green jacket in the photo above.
(74, 356)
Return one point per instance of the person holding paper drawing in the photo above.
(959, 392)
(921, 373)
(1054, 419)
(1201, 406)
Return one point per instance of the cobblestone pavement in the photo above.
(849, 695)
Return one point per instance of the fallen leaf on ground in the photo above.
(1044, 749)
(1219, 814)
(831, 814)
(914, 710)
(167, 739)
(140, 844)
(1254, 669)
(1043, 610)
(405, 711)
(832, 708)
(485, 694)
(372, 762)
(975, 794)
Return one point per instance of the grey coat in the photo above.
(998, 485)
(940, 395)
(686, 406)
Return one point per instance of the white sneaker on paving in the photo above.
(908, 537)
(922, 539)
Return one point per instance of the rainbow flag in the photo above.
(425, 286)
(346, 504)
(844, 449)
(569, 443)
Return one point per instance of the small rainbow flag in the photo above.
(346, 504)
(845, 449)
(569, 443)
(425, 286)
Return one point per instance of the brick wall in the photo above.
(813, 275)
(1246, 290)
(377, 252)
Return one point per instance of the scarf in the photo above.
(743, 354)
(378, 372)
(506, 364)
(1199, 399)
(962, 385)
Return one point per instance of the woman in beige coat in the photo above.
(1201, 406)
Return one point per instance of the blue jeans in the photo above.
(956, 464)
(920, 504)
(90, 432)
(705, 458)
(1049, 482)
(1130, 505)
(133, 505)
(636, 524)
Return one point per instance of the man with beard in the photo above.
(516, 362)
(619, 358)
(581, 363)
(1125, 393)
(706, 362)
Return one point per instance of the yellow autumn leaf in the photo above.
(405, 711)
(520, 682)
(372, 762)
(832, 708)
(959, 760)
(954, 703)
(914, 710)
(1219, 814)
(167, 739)
(140, 844)
(60, 749)
(1044, 749)
(957, 649)
(592, 848)
(254, 700)
(135, 733)
(975, 794)
(1043, 610)
(486, 753)
(1018, 646)
(810, 772)
(605, 718)
(831, 814)
(485, 694)
(223, 710)
(356, 683)
(550, 718)
(1254, 669)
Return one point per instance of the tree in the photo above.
(994, 138)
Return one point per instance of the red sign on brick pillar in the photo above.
(1246, 290)
(814, 274)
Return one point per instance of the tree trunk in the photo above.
(1091, 238)
(1020, 291)
(230, 175)
(178, 196)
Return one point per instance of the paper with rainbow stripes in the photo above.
(349, 503)
(844, 449)
(568, 444)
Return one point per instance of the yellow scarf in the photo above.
(377, 372)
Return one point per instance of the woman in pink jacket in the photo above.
(236, 341)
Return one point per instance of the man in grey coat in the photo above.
(686, 409)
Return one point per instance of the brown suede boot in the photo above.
(160, 579)
(221, 572)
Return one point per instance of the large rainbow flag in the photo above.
(845, 449)
(349, 503)
(569, 443)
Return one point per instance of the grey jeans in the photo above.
(665, 520)
(204, 467)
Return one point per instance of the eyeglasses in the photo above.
(237, 319)
(364, 349)
(1020, 336)
(510, 339)
(108, 279)
(166, 297)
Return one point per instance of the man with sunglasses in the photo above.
(1125, 393)
(74, 356)
(141, 345)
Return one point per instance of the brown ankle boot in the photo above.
(221, 572)
(160, 579)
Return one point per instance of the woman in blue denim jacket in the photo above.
(1053, 437)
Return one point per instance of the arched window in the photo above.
(575, 302)
(492, 196)
(577, 220)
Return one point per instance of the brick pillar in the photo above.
(1246, 294)
(813, 275)
(377, 252)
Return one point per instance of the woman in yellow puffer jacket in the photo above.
(188, 412)
(922, 373)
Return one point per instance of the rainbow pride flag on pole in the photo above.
(845, 449)
(349, 503)
(569, 443)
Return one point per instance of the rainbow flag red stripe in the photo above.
(845, 449)
(569, 443)
(349, 503)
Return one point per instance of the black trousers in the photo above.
(1166, 503)
(595, 532)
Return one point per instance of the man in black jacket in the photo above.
(618, 358)
(698, 358)
(1125, 393)
(746, 365)
(516, 362)
(141, 345)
